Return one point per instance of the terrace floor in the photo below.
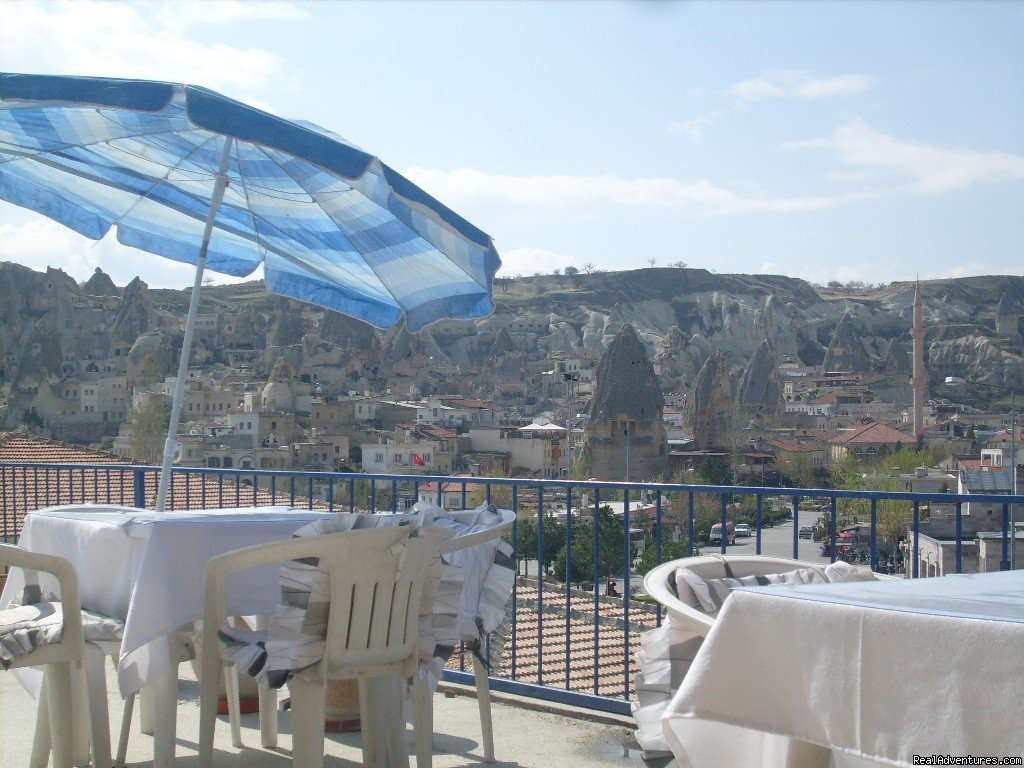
(527, 734)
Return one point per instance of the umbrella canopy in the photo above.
(188, 174)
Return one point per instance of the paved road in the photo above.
(777, 541)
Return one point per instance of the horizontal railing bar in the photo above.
(545, 693)
(456, 482)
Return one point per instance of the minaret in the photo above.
(919, 375)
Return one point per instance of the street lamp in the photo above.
(959, 381)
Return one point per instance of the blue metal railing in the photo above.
(567, 638)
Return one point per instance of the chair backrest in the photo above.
(377, 580)
(713, 566)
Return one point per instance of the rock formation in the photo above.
(709, 413)
(151, 358)
(287, 326)
(1008, 322)
(759, 394)
(135, 316)
(896, 359)
(100, 284)
(846, 351)
(626, 414)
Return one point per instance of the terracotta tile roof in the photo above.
(25, 447)
(23, 489)
(793, 446)
(876, 432)
(548, 630)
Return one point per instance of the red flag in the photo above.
(418, 460)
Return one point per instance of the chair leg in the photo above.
(423, 722)
(268, 700)
(99, 716)
(57, 680)
(390, 690)
(79, 716)
(234, 704)
(41, 743)
(208, 695)
(268, 717)
(369, 725)
(483, 700)
(308, 708)
(126, 724)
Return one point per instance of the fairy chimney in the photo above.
(626, 414)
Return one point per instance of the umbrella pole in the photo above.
(171, 445)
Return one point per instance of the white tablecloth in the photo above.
(149, 571)
(871, 672)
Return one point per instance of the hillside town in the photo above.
(278, 385)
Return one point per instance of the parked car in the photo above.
(716, 534)
(742, 529)
(806, 532)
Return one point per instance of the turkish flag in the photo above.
(418, 460)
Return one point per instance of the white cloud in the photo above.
(770, 268)
(466, 185)
(148, 40)
(788, 84)
(922, 168)
(694, 129)
(529, 261)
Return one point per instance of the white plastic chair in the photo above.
(698, 621)
(376, 584)
(62, 660)
(481, 680)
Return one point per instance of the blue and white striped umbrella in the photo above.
(189, 174)
(331, 224)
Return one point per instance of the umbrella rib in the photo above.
(158, 182)
(19, 154)
(99, 179)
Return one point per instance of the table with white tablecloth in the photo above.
(864, 673)
(148, 570)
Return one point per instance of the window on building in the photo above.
(379, 457)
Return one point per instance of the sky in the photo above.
(870, 141)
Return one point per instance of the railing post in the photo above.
(140, 488)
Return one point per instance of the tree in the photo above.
(588, 268)
(798, 472)
(527, 541)
(149, 428)
(32, 418)
(652, 261)
(670, 550)
(571, 270)
(611, 543)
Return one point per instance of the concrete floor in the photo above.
(555, 737)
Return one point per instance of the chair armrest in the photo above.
(67, 578)
(456, 543)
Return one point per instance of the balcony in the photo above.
(523, 734)
(571, 631)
